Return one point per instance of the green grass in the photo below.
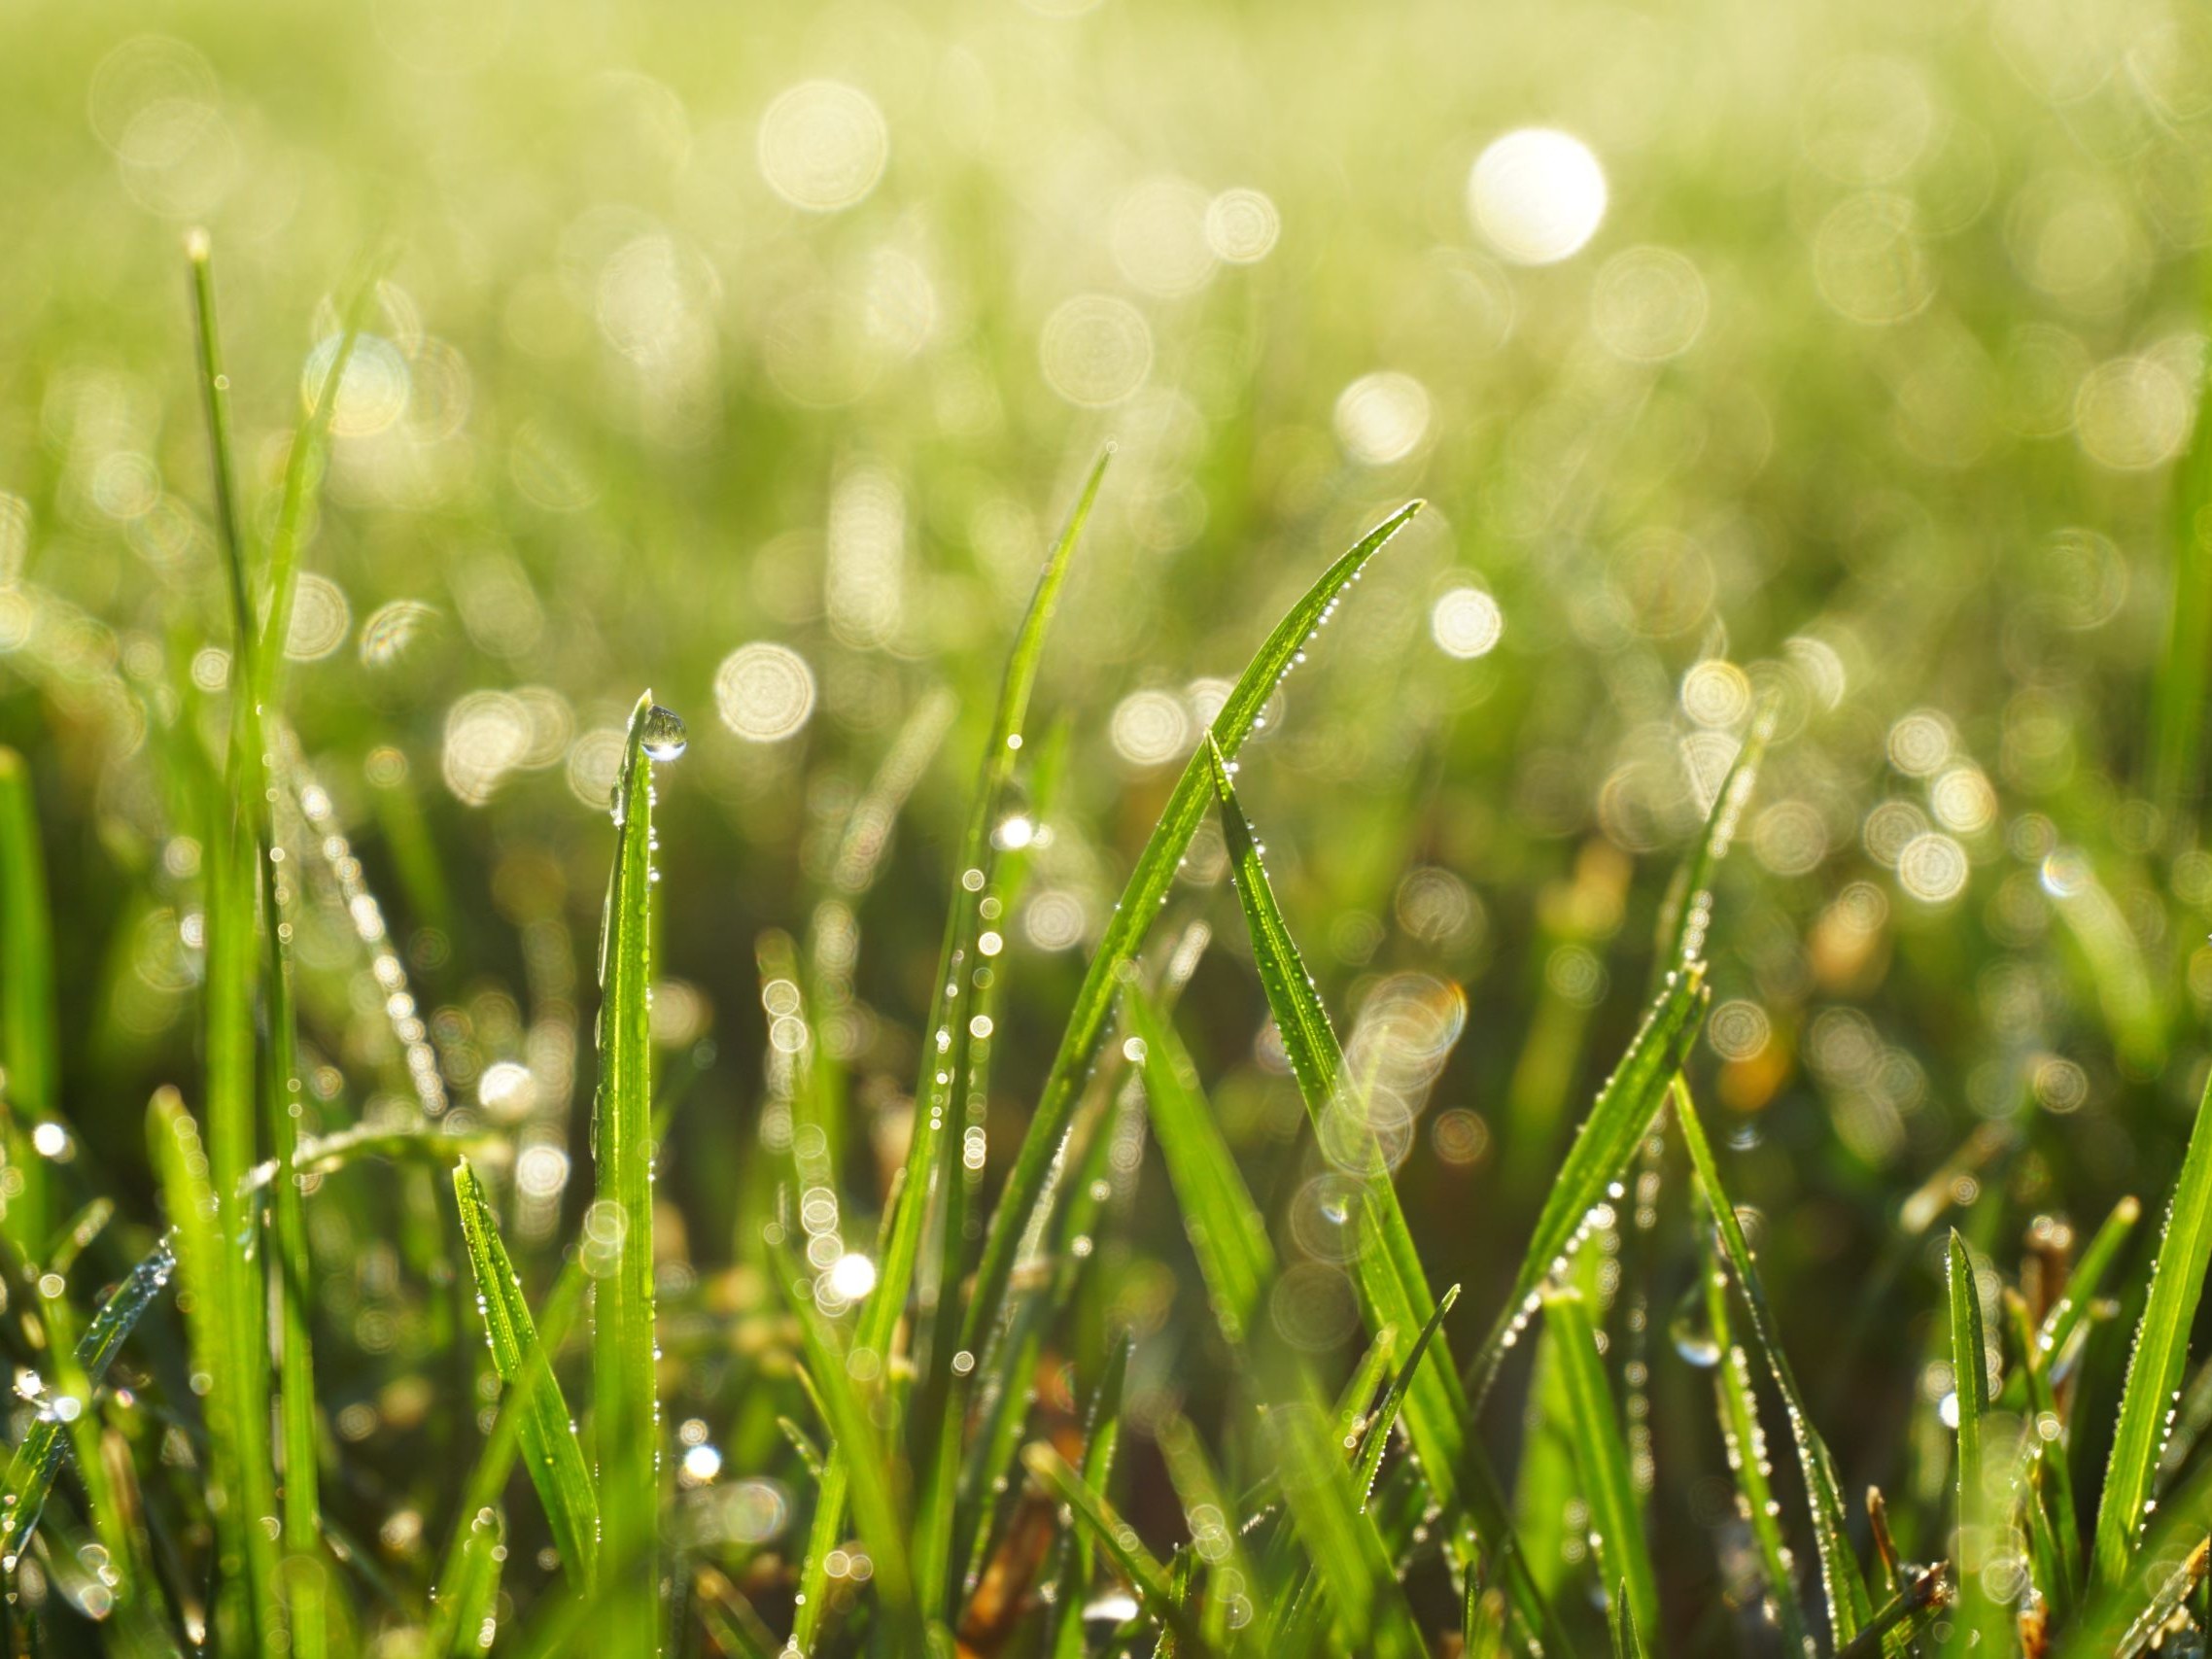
(1621, 1173)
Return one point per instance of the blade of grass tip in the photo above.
(231, 922)
(181, 1161)
(2048, 1483)
(544, 1427)
(1601, 1456)
(2160, 1352)
(1375, 1439)
(1628, 1641)
(1119, 1540)
(618, 1230)
(1979, 1620)
(71, 1394)
(38, 1457)
(1745, 1440)
(1686, 916)
(1850, 1605)
(1028, 1182)
(28, 1034)
(856, 1446)
(1393, 1285)
(1103, 1433)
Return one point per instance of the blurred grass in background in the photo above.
(1846, 356)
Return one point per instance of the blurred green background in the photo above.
(1845, 355)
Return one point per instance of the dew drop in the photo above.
(661, 734)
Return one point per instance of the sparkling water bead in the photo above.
(661, 735)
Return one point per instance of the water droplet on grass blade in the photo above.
(662, 735)
(1691, 1329)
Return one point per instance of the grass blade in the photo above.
(1687, 914)
(1394, 1288)
(1376, 1437)
(2047, 1482)
(1103, 1433)
(618, 1242)
(2160, 1352)
(1978, 1621)
(29, 1033)
(2070, 1309)
(1146, 1577)
(1628, 1641)
(2177, 707)
(1745, 1438)
(38, 1458)
(1601, 1456)
(1028, 1182)
(543, 1424)
(1849, 1606)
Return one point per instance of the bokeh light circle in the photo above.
(824, 145)
(1537, 195)
(764, 692)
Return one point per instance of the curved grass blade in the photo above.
(1146, 1577)
(1394, 1287)
(543, 1426)
(38, 1458)
(2160, 1352)
(1978, 1621)
(1601, 1456)
(1849, 1606)
(1745, 1440)
(618, 1243)
(1028, 1183)
(28, 1034)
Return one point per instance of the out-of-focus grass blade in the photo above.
(1601, 1455)
(2070, 1309)
(1393, 1285)
(1102, 1434)
(544, 1425)
(38, 1458)
(2125, 1617)
(1224, 1226)
(1365, 1596)
(28, 1035)
(2160, 1354)
(1687, 914)
(1217, 1534)
(1028, 1182)
(871, 1474)
(1745, 1438)
(2177, 695)
(1849, 1606)
(1978, 1621)
(1146, 1577)
(618, 1230)
(233, 876)
(2048, 1484)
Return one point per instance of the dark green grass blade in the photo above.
(1900, 1620)
(1621, 1625)
(544, 1427)
(1745, 1440)
(1849, 1606)
(618, 1241)
(29, 1033)
(1394, 1288)
(2178, 689)
(38, 1458)
(1119, 1540)
(1601, 1456)
(1977, 1620)
(2160, 1352)
(1028, 1182)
